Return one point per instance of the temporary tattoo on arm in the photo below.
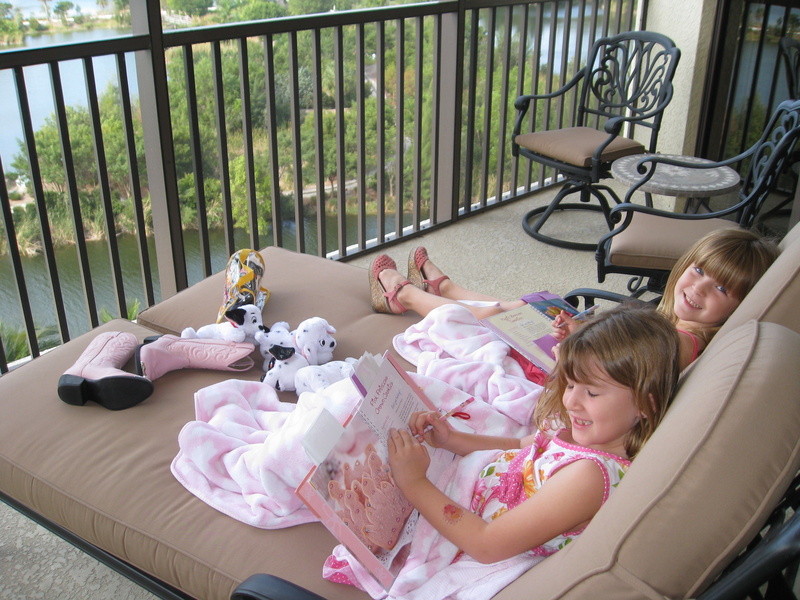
(453, 513)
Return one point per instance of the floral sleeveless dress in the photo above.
(517, 474)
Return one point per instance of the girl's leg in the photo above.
(421, 302)
(450, 289)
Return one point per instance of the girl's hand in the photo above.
(438, 432)
(408, 459)
(569, 326)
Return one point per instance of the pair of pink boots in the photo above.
(97, 374)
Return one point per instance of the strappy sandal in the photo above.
(380, 298)
(416, 259)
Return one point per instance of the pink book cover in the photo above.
(351, 489)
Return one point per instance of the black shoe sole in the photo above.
(114, 393)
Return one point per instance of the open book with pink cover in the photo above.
(351, 489)
(527, 329)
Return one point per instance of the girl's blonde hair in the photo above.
(735, 258)
(636, 347)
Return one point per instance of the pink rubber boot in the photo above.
(169, 353)
(96, 375)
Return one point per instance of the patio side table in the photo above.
(696, 185)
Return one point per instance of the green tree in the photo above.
(15, 341)
(62, 8)
(46, 5)
(193, 8)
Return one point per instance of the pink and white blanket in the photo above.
(242, 455)
(451, 345)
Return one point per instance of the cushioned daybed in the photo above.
(698, 492)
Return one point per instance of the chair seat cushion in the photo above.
(576, 145)
(654, 242)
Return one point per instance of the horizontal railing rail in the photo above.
(330, 134)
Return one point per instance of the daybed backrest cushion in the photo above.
(776, 296)
(702, 486)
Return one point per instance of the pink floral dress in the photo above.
(517, 474)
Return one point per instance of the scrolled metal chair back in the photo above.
(630, 73)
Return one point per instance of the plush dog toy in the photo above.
(242, 325)
(314, 378)
(287, 371)
(313, 340)
(281, 367)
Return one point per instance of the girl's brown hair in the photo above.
(637, 348)
(735, 258)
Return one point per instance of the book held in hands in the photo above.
(351, 488)
(527, 329)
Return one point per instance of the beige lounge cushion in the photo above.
(701, 487)
(105, 475)
(653, 242)
(576, 145)
(776, 295)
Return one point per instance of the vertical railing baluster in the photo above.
(272, 139)
(195, 150)
(341, 176)
(399, 118)
(436, 106)
(247, 135)
(522, 28)
(488, 84)
(561, 120)
(361, 167)
(535, 105)
(105, 190)
(72, 193)
(550, 84)
(606, 19)
(503, 108)
(469, 120)
(319, 149)
(416, 185)
(133, 177)
(380, 98)
(297, 156)
(578, 60)
(41, 207)
(19, 273)
(221, 126)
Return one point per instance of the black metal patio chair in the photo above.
(647, 242)
(626, 82)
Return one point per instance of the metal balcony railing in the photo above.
(330, 134)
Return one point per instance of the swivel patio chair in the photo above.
(627, 82)
(647, 242)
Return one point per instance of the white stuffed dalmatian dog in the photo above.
(243, 325)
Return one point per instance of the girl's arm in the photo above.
(427, 427)
(690, 346)
(568, 500)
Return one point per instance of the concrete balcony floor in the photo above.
(490, 253)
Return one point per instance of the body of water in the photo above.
(40, 294)
(40, 91)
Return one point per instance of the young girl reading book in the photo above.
(611, 386)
